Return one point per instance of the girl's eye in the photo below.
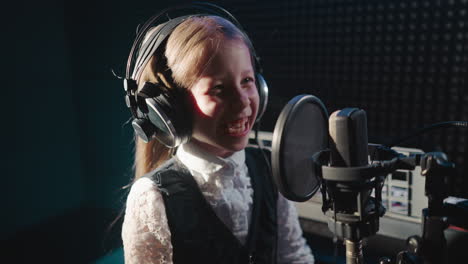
(247, 80)
(217, 89)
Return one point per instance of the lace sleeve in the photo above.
(145, 232)
(292, 247)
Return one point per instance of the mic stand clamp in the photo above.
(352, 213)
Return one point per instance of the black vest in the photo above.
(198, 235)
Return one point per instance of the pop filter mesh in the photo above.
(303, 131)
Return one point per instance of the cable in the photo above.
(261, 147)
(446, 124)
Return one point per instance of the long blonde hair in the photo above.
(188, 51)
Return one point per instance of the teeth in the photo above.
(237, 127)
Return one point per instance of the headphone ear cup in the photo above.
(263, 96)
(144, 129)
(170, 117)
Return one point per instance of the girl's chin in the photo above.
(228, 147)
(238, 144)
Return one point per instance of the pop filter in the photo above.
(300, 131)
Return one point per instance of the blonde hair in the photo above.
(187, 53)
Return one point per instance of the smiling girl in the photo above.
(213, 201)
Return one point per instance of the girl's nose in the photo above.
(241, 98)
(244, 99)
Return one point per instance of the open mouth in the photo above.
(238, 127)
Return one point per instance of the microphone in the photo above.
(348, 148)
(312, 151)
(348, 138)
(352, 212)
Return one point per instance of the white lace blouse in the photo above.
(226, 186)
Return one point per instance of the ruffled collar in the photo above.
(207, 164)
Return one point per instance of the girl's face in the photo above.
(225, 100)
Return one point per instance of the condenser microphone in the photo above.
(348, 148)
(348, 138)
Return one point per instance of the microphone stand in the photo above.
(353, 213)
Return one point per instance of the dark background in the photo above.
(68, 150)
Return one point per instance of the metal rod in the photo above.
(354, 252)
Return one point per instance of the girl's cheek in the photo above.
(208, 108)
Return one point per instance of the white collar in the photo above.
(202, 162)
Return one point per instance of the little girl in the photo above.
(212, 200)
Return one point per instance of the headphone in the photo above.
(161, 112)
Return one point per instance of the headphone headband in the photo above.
(148, 48)
(155, 20)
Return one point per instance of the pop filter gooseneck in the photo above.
(300, 131)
